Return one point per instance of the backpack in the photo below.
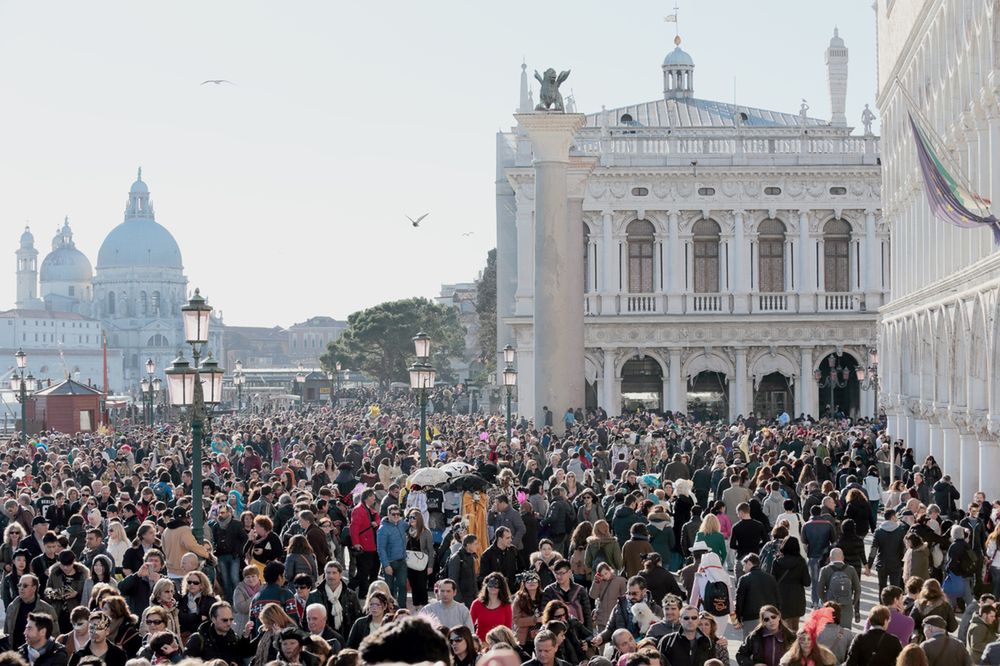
(574, 606)
(716, 598)
(840, 589)
(600, 557)
(768, 554)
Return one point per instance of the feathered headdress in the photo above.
(818, 619)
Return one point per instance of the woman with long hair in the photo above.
(792, 573)
(576, 639)
(912, 655)
(602, 546)
(118, 543)
(273, 619)
(932, 601)
(124, 630)
(493, 605)
(419, 539)
(301, 559)
(377, 606)
(101, 571)
(805, 651)
(194, 602)
(19, 565)
(708, 626)
(527, 608)
(710, 531)
(463, 646)
(164, 594)
(13, 534)
(154, 620)
(582, 574)
(542, 561)
(993, 558)
(501, 637)
(768, 642)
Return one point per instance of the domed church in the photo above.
(135, 293)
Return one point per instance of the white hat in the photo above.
(700, 547)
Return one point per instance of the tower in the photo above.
(836, 78)
(27, 272)
(678, 73)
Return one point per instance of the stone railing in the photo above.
(708, 303)
(641, 303)
(775, 302)
(837, 302)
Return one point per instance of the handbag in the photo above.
(953, 585)
(416, 560)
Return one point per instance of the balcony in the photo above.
(774, 302)
(838, 302)
(708, 303)
(643, 303)
(722, 303)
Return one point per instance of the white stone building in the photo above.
(462, 296)
(939, 334)
(728, 252)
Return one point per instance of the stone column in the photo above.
(736, 253)
(738, 403)
(576, 185)
(609, 401)
(935, 440)
(920, 443)
(806, 284)
(678, 396)
(506, 207)
(968, 465)
(989, 463)
(871, 274)
(806, 394)
(949, 460)
(993, 119)
(525, 236)
(609, 265)
(675, 273)
(558, 308)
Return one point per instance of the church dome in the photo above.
(678, 57)
(140, 241)
(65, 263)
(27, 238)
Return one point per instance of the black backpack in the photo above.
(716, 598)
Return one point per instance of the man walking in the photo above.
(887, 551)
(391, 550)
(839, 582)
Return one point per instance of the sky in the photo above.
(288, 192)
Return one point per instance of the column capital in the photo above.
(551, 134)
(578, 174)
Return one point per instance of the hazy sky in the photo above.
(287, 192)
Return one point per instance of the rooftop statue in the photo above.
(549, 95)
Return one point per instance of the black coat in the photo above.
(206, 644)
(752, 649)
(53, 653)
(875, 647)
(792, 574)
(462, 570)
(502, 561)
(349, 603)
(191, 621)
(756, 588)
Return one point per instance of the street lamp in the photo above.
(188, 385)
(22, 385)
(509, 382)
(422, 376)
(146, 385)
(837, 379)
(868, 377)
(338, 378)
(238, 380)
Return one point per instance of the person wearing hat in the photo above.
(687, 574)
(34, 542)
(941, 648)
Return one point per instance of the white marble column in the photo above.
(920, 443)
(506, 228)
(993, 119)
(989, 467)
(609, 264)
(872, 259)
(576, 185)
(949, 460)
(558, 308)
(678, 396)
(738, 399)
(806, 284)
(609, 400)
(737, 251)
(968, 465)
(935, 440)
(675, 272)
(525, 222)
(805, 393)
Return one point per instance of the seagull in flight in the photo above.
(468, 233)
(218, 82)
(416, 222)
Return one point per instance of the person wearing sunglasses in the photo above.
(216, 638)
(463, 647)
(687, 647)
(768, 642)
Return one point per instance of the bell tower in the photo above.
(27, 272)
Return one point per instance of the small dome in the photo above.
(836, 42)
(678, 57)
(139, 243)
(27, 238)
(138, 187)
(66, 264)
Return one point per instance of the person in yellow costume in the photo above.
(474, 509)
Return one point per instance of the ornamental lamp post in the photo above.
(196, 315)
(509, 382)
(148, 390)
(238, 380)
(422, 375)
(837, 379)
(157, 387)
(22, 385)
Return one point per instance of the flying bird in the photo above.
(218, 82)
(468, 233)
(416, 222)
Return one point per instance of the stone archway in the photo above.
(642, 384)
(836, 384)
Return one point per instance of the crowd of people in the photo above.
(639, 540)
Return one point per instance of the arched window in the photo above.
(639, 237)
(155, 304)
(143, 304)
(706, 256)
(158, 340)
(111, 302)
(836, 255)
(124, 309)
(771, 256)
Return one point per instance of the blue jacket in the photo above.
(391, 542)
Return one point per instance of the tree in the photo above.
(486, 309)
(379, 340)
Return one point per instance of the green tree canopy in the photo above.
(486, 309)
(379, 340)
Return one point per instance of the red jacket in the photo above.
(363, 527)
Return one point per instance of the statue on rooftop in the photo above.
(549, 95)
(867, 117)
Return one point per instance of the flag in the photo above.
(670, 18)
(949, 200)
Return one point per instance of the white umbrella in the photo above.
(457, 468)
(428, 476)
